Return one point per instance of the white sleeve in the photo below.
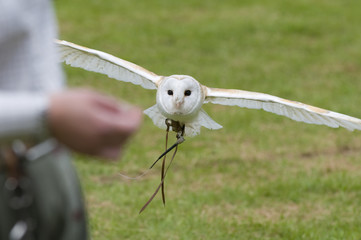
(29, 70)
(22, 115)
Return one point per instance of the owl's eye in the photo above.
(187, 92)
(170, 92)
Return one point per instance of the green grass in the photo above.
(262, 176)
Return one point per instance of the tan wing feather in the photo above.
(291, 109)
(101, 62)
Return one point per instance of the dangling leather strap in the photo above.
(10, 162)
(180, 132)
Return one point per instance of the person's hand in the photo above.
(91, 123)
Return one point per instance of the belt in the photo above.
(24, 152)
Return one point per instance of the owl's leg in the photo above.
(176, 127)
(180, 135)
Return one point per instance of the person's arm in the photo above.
(83, 120)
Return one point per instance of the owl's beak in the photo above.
(178, 103)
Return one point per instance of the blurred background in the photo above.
(260, 177)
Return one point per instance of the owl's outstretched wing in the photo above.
(291, 109)
(101, 62)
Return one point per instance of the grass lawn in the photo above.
(260, 177)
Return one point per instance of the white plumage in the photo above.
(180, 97)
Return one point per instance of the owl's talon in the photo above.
(168, 122)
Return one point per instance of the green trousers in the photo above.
(58, 202)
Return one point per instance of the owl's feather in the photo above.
(101, 62)
(206, 121)
(157, 118)
(291, 109)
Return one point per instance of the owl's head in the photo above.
(180, 97)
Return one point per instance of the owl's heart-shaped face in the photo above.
(180, 97)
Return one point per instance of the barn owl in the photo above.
(180, 97)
